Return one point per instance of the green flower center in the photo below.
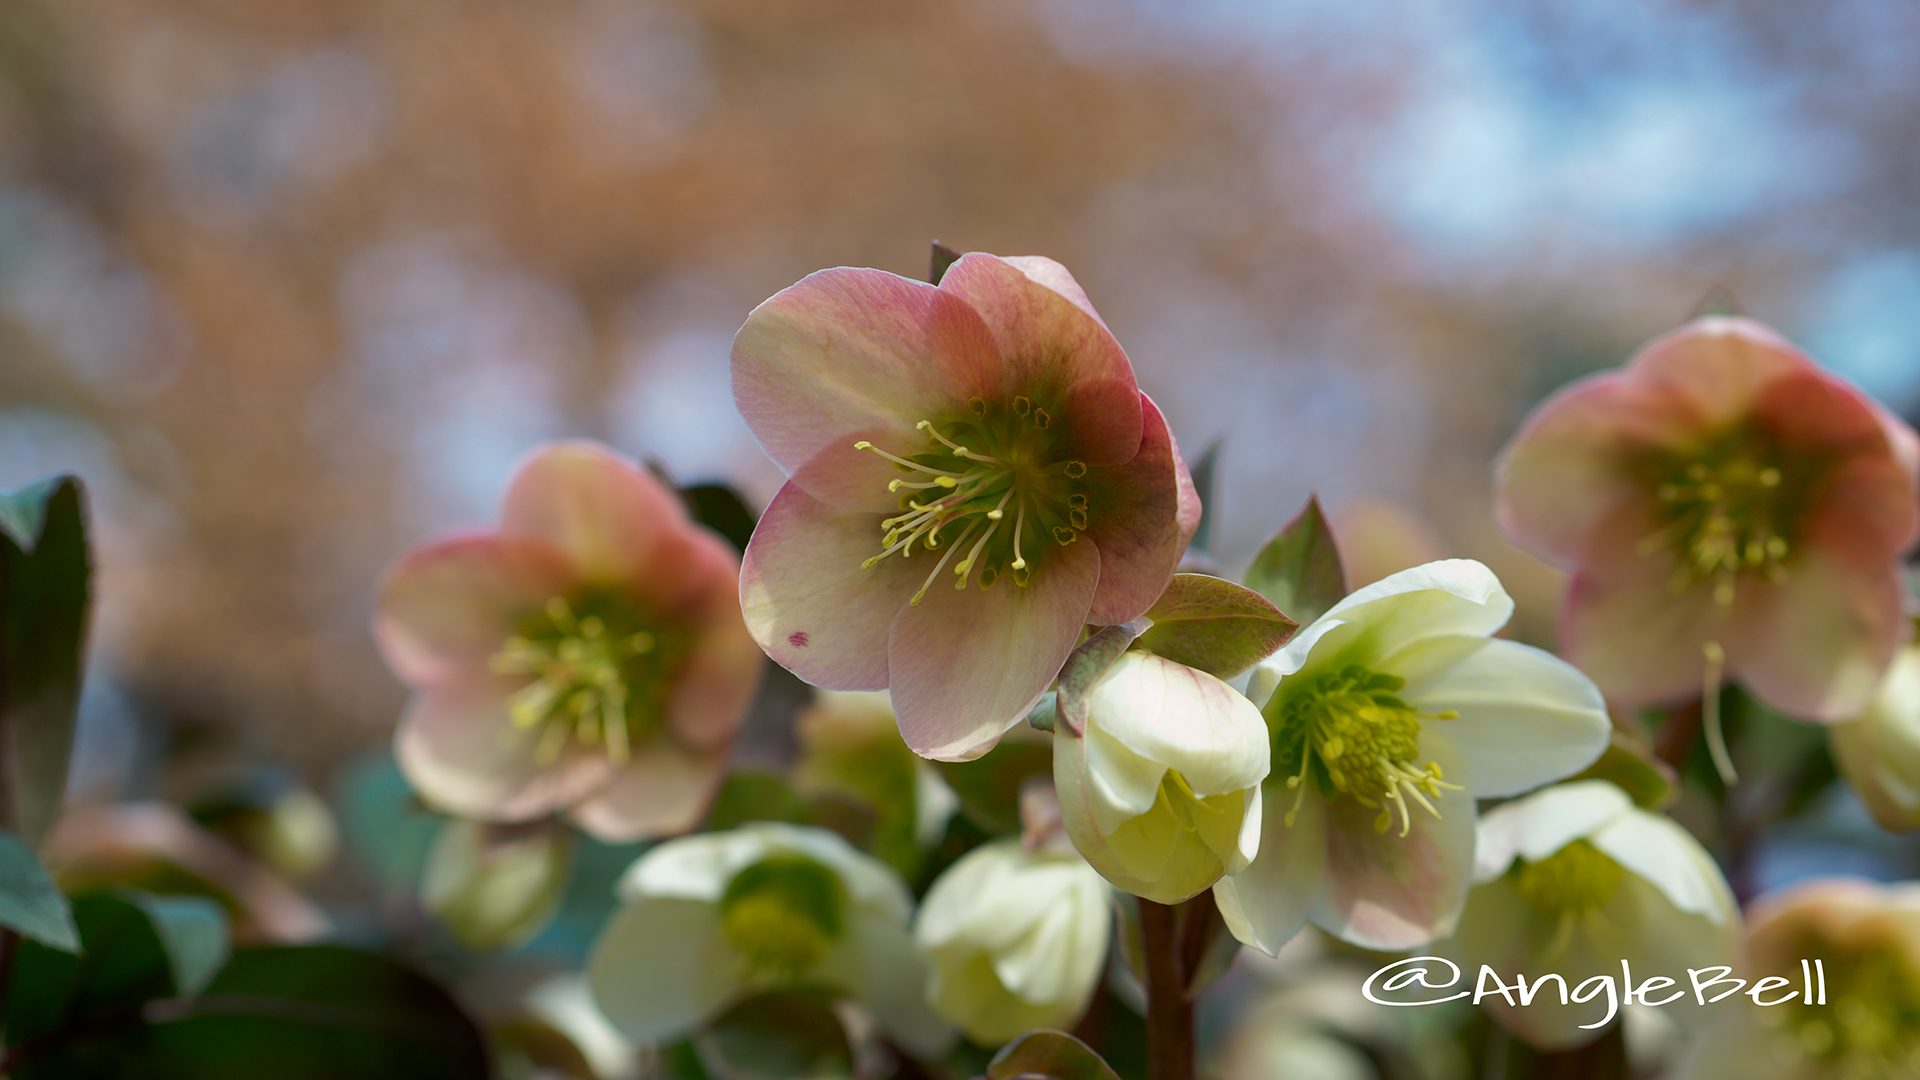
(1725, 510)
(994, 486)
(1870, 1027)
(598, 676)
(1350, 734)
(1577, 879)
(782, 914)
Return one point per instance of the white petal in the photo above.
(1526, 717)
(1266, 904)
(646, 940)
(884, 971)
(1184, 719)
(1543, 823)
(1656, 848)
(981, 902)
(699, 867)
(1452, 596)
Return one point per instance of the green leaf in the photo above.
(135, 949)
(756, 796)
(314, 1013)
(1299, 569)
(1048, 1055)
(44, 576)
(1629, 766)
(1214, 625)
(721, 509)
(942, 258)
(989, 786)
(29, 902)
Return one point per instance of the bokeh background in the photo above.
(292, 284)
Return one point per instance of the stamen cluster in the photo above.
(598, 676)
(1357, 738)
(1725, 512)
(782, 914)
(997, 482)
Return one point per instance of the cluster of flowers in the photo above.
(982, 517)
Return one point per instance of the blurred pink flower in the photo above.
(586, 657)
(983, 428)
(1722, 500)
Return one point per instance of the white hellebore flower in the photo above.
(1389, 715)
(1161, 793)
(1016, 938)
(1879, 752)
(1574, 880)
(714, 918)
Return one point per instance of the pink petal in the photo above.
(462, 755)
(664, 790)
(1570, 469)
(1387, 891)
(1056, 277)
(806, 599)
(1640, 641)
(1718, 366)
(1054, 346)
(1864, 512)
(610, 516)
(1134, 517)
(717, 680)
(446, 608)
(846, 351)
(1816, 645)
(966, 664)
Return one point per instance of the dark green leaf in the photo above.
(943, 257)
(315, 1012)
(1299, 569)
(134, 949)
(721, 509)
(1214, 625)
(1048, 1055)
(29, 902)
(44, 576)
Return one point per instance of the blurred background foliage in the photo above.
(292, 283)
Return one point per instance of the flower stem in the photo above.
(1173, 942)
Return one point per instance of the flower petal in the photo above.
(662, 791)
(1526, 717)
(889, 976)
(1718, 365)
(1449, 597)
(1657, 849)
(1387, 891)
(605, 512)
(1267, 903)
(808, 602)
(1570, 469)
(966, 664)
(446, 608)
(1816, 645)
(648, 938)
(1540, 824)
(1135, 520)
(1171, 714)
(461, 754)
(1054, 345)
(717, 680)
(849, 350)
(1636, 638)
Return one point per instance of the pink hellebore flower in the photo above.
(586, 657)
(974, 476)
(1726, 506)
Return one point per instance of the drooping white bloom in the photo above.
(1161, 793)
(1573, 880)
(1389, 715)
(1879, 752)
(494, 888)
(1016, 939)
(713, 918)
